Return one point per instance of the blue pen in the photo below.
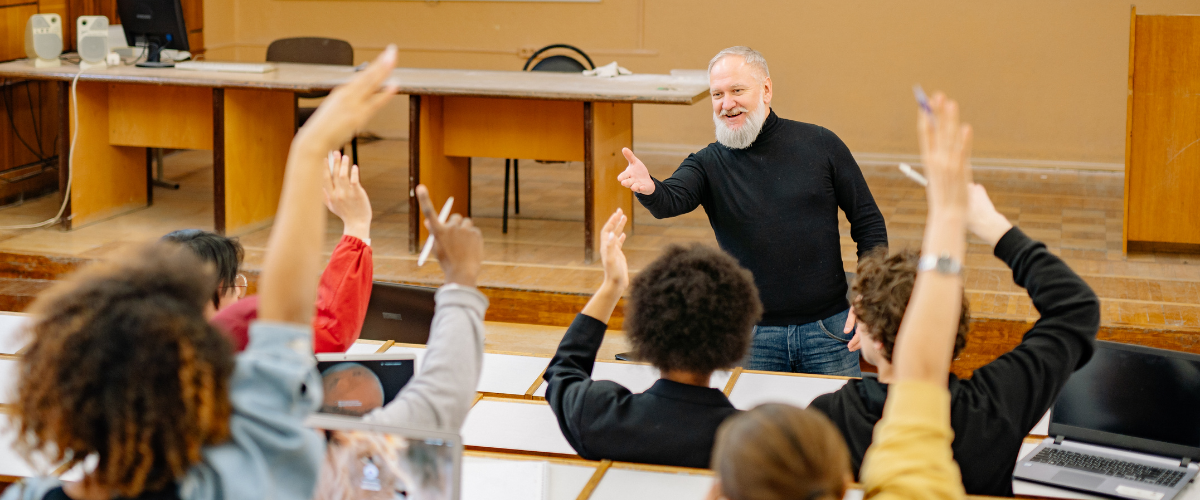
(922, 100)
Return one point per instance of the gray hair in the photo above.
(752, 57)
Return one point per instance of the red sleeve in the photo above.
(342, 296)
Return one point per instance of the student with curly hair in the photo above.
(994, 410)
(124, 369)
(689, 313)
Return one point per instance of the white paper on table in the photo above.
(1043, 426)
(514, 426)
(8, 380)
(753, 389)
(13, 336)
(486, 479)
(636, 377)
(363, 348)
(628, 484)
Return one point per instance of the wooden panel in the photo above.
(193, 14)
(444, 175)
(513, 128)
(196, 42)
(1128, 128)
(160, 116)
(12, 30)
(106, 180)
(611, 129)
(259, 125)
(1164, 169)
(36, 126)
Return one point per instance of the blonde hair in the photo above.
(752, 57)
(780, 452)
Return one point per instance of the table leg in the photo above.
(252, 133)
(444, 176)
(106, 180)
(608, 127)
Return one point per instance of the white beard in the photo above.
(745, 135)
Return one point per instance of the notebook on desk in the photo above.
(371, 461)
(1124, 426)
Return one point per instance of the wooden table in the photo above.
(247, 120)
(458, 114)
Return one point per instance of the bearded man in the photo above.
(772, 188)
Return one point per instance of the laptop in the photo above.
(1127, 425)
(372, 461)
(355, 384)
(398, 312)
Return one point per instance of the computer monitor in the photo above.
(154, 25)
(1133, 397)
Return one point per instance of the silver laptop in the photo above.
(1127, 425)
(355, 384)
(371, 461)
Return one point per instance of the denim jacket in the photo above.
(270, 454)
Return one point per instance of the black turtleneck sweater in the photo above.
(773, 207)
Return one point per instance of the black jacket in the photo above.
(669, 424)
(774, 207)
(993, 411)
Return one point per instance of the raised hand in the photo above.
(945, 150)
(612, 237)
(349, 106)
(346, 198)
(983, 220)
(635, 176)
(458, 244)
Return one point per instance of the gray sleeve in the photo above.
(440, 395)
(270, 453)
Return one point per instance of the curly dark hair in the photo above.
(692, 309)
(883, 287)
(123, 365)
(221, 251)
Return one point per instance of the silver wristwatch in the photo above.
(943, 264)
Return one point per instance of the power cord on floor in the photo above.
(70, 164)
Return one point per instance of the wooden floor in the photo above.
(1077, 214)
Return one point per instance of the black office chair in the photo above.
(559, 63)
(313, 50)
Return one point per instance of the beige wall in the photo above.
(1040, 80)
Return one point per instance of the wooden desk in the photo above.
(247, 120)
(457, 114)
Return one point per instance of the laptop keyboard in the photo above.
(1108, 467)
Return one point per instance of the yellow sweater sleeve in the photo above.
(910, 454)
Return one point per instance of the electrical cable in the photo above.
(9, 108)
(70, 163)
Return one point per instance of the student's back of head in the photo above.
(692, 309)
(223, 253)
(883, 286)
(780, 452)
(123, 365)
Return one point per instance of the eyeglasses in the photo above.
(240, 283)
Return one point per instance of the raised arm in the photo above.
(441, 394)
(910, 456)
(289, 277)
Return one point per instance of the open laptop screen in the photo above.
(368, 461)
(1127, 394)
(355, 384)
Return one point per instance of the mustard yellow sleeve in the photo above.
(910, 454)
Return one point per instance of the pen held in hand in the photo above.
(429, 241)
(913, 174)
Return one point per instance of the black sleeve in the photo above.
(678, 194)
(1024, 382)
(867, 227)
(573, 395)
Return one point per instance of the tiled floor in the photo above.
(1077, 214)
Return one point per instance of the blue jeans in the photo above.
(818, 347)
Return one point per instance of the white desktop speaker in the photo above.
(43, 39)
(91, 34)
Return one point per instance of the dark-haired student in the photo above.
(124, 368)
(689, 313)
(345, 287)
(774, 452)
(994, 410)
(225, 255)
